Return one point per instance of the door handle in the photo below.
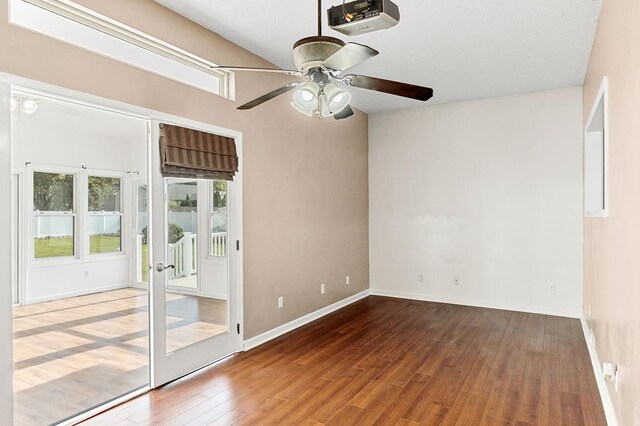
(161, 268)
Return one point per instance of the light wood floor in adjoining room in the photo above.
(390, 361)
(73, 354)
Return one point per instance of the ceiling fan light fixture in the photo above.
(322, 61)
(307, 112)
(335, 100)
(305, 99)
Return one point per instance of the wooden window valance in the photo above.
(191, 153)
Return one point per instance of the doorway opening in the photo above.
(93, 323)
(80, 317)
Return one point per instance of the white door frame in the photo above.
(18, 271)
(9, 82)
(6, 317)
(168, 367)
(135, 182)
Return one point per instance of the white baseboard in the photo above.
(292, 325)
(476, 303)
(76, 293)
(607, 404)
(220, 296)
(140, 286)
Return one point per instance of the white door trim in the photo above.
(9, 82)
(6, 317)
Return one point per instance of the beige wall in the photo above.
(612, 245)
(305, 180)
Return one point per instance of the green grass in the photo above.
(53, 247)
(104, 244)
(144, 263)
(59, 247)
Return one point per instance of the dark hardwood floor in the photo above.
(392, 361)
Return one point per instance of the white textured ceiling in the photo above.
(463, 49)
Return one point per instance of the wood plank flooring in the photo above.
(73, 354)
(391, 362)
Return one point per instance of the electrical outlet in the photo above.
(420, 278)
(347, 280)
(552, 288)
(86, 274)
(456, 280)
(322, 289)
(280, 302)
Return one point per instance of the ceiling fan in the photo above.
(320, 61)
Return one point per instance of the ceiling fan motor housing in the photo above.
(311, 52)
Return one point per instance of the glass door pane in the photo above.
(142, 237)
(15, 239)
(196, 308)
(182, 234)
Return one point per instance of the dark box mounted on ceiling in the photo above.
(363, 16)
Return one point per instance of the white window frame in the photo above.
(115, 175)
(81, 214)
(32, 213)
(602, 96)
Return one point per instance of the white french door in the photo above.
(194, 229)
(15, 239)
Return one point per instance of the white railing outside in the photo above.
(184, 253)
(184, 256)
(218, 244)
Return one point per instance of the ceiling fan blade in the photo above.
(388, 86)
(345, 113)
(264, 98)
(349, 55)
(272, 70)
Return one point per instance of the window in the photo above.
(218, 219)
(595, 154)
(105, 214)
(74, 24)
(53, 215)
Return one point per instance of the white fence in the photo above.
(188, 221)
(62, 226)
(104, 224)
(52, 226)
